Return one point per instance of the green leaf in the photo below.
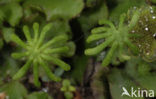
(14, 90)
(39, 95)
(12, 13)
(117, 80)
(147, 79)
(59, 27)
(53, 9)
(9, 68)
(67, 87)
(68, 95)
(7, 32)
(148, 82)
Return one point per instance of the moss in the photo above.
(146, 28)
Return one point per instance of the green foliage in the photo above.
(7, 32)
(14, 90)
(60, 27)
(143, 68)
(67, 88)
(117, 80)
(116, 37)
(37, 52)
(127, 41)
(10, 67)
(144, 77)
(53, 9)
(136, 74)
(11, 12)
(146, 28)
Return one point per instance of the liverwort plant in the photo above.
(146, 28)
(115, 37)
(68, 89)
(39, 53)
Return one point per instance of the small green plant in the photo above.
(115, 37)
(37, 52)
(67, 88)
(146, 28)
